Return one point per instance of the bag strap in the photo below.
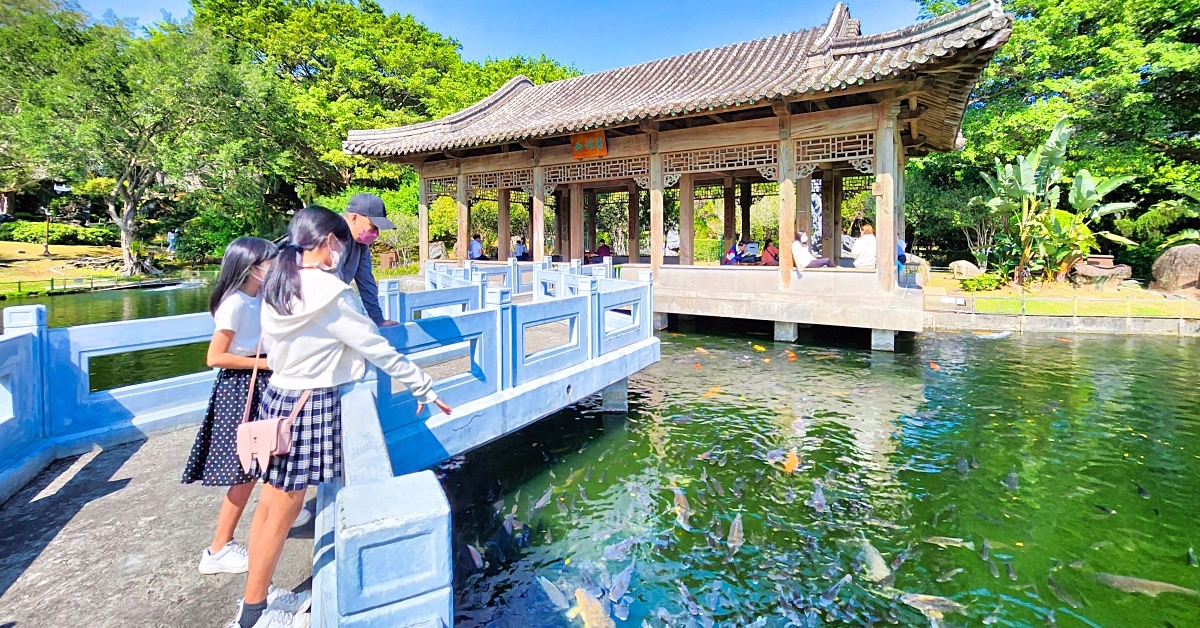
(299, 405)
(253, 381)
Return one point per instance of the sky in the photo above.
(594, 36)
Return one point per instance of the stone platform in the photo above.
(111, 538)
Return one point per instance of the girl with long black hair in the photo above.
(320, 339)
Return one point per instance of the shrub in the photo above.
(708, 250)
(35, 233)
(982, 283)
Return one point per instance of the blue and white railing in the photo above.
(383, 555)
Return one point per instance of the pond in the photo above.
(122, 369)
(1015, 478)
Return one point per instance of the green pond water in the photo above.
(1035, 444)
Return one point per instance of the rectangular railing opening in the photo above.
(117, 370)
(6, 398)
(621, 318)
(444, 310)
(443, 363)
(550, 336)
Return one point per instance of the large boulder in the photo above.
(963, 269)
(1177, 270)
(1100, 278)
(437, 250)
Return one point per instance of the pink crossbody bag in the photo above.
(259, 440)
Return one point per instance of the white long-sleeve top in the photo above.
(864, 251)
(801, 254)
(327, 341)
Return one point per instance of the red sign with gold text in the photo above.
(590, 144)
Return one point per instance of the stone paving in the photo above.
(111, 538)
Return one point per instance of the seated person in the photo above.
(770, 256)
(475, 248)
(519, 250)
(602, 252)
(803, 256)
(900, 254)
(864, 248)
(734, 256)
(750, 253)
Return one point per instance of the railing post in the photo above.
(608, 267)
(576, 267)
(595, 324)
(501, 299)
(646, 312)
(389, 300)
(514, 275)
(32, 320)
(479, 281)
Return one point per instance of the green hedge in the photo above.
(35, 233)
(708, 250)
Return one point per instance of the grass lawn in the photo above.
(1057, 299)
(21, 261)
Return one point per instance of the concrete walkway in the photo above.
(111, 538)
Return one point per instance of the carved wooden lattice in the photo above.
(852, 186)
(725, 158)
(625, 168)
(839, 148)
(441, 186)
(509, 179)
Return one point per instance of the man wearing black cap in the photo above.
(366, 216)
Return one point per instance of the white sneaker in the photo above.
(233, 558)
(279, 618)
(285, 600)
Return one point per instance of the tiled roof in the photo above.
(827, 58)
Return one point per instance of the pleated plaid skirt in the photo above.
(316, 454)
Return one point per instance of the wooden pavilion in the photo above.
(824, 104)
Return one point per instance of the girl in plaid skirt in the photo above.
(320, 338)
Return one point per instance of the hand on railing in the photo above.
(437, 402)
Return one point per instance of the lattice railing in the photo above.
(441, 186)
(723, 158)
(623, 168)
(508, 179)
(858, 149)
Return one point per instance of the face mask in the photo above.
(367, 237)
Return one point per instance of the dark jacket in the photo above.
(356, 265)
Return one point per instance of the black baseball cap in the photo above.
(370, 206)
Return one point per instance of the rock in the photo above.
(1099, 278)
(1177, 270)
(437, 250)
(963, 269)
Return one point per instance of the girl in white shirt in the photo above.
(235, 306)
(803, 256)
(320, 338)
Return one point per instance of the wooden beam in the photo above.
(909, 88)
(537, 213)
(730, 214)
(687, 220)
(657, 236)
(576, 221)
(530, 144)
(857, 89)
(422, 221)
(503, 225)
(635, 227)
(787, 199)
(781, 109)
(884, 190)
(464, 220)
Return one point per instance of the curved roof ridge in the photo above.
(981, 10)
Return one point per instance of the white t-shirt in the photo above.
(241, 314)
(864, 251)
(801, 254)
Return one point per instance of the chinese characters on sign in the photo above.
(590, 144)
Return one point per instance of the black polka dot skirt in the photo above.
(316, 454)
(214, 460)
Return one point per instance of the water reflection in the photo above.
(1068, 457)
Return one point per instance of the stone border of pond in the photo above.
(1123, 325)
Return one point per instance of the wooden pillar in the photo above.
(503, 225)
(635, 228)
(559, 223)
(900, 200)
(727, 194)
(787, 198)
(537, 213)
(687, 219)
(884, 190)
(657, 236)
(831, 236)
(747, 201)
(464, 219)
(837, 216)
(804, 218)
(592, 207)
(422, 221)
(576, 221)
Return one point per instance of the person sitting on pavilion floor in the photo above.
(864, 247)
(735, 254)
(519, 249)
(602, 252)
(475, 248)
(770, 256)
(803, 256)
